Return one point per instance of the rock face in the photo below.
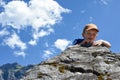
(78, 63)
(13, 71)
(1, 78)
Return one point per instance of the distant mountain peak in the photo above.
(12, 71)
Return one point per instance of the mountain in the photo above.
(13, 71)
(75, 63)
(78, 63)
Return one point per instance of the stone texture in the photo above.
(13, 71)
(78, 63)
(1, 77)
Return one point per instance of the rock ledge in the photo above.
(78, 63)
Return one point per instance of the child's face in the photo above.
(90, 35)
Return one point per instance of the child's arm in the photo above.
(102, 42)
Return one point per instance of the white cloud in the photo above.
(2, 3)
(82, 11)
(102, 2)
(16, 14)
(91, 19)
(4, 32)
(42, 33)
(20, 53)
(32, 42)
(105, 2)
(47, 54)
(46, 44)
(62, 44)
(40, 15)
(14, 41)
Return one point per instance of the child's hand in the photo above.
(102, 43)
(98, 43)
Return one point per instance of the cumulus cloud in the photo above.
(47, 54)
(105, 2)
(61, 44)
(4, 32)
(2, 2)
(42, 33)
(32, 42)
(102, 2)
(20, 53)
(14, 41)
(39, 15)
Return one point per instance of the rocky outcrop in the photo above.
(78, 63)
(1, 77)
(13, 71)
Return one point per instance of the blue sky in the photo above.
(35, 30)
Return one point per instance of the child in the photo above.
(89, 34)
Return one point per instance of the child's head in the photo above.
(90, 32)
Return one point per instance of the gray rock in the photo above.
(78, 63)
(13, 71)
(1, 77)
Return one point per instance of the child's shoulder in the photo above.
(77, 41)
